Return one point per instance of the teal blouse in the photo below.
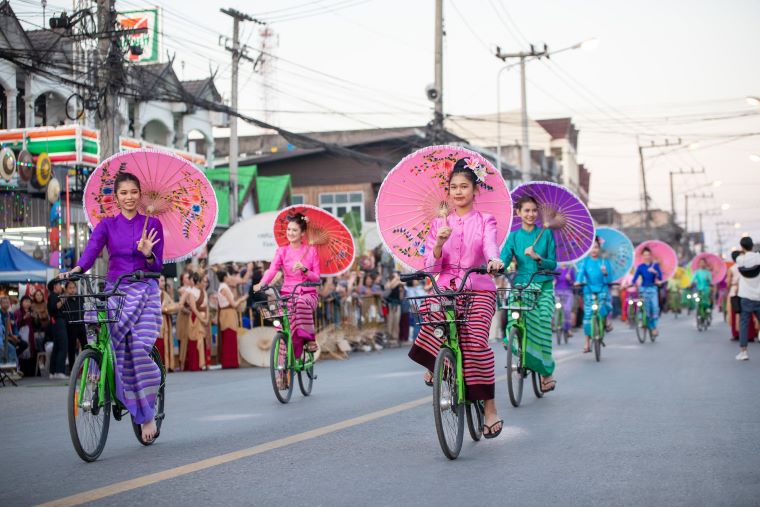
(515, 247)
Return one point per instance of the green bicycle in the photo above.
(558, 323)
(704, 312)
(446, 311)
(598, 328)
(517, 300)
(642, 323)
(92, 392)
(283, 365)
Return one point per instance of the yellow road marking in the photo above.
(146, 480)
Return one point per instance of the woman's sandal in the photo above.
(428, 378)
(544, 383)
(311, 346)
(491, 433)
(587, 350)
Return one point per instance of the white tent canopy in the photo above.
(249, 240)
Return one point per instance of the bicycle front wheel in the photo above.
(281, 372)
(160, 399)
(515, 372)
(448, 412)
(89, 416)
(306, 375)
(536, 381)
(475, 412)
(641, 328)
(559, 326)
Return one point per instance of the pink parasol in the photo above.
(715, 264)
(662, 253)
(415, 193)
(173, 190)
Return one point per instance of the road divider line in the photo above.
(153, 478)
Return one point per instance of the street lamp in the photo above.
(753, 101)
(533, 54)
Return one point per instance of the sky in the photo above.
(662, 70)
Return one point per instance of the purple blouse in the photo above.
(120, 236)
(561, 282)
(472, 243)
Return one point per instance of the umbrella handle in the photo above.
(538, 237)
(145, 226)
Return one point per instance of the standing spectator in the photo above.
(41, 324)
(57, 330)
(14, 346)
(165, 342)
(195, 348)
(77, 334)
(749, 292)
(228, 317)
(25, 326)
(563, 291)
(393, 300)
(414, 289)
(183, 319)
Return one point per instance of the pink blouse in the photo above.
(472, 243)
(287, 257)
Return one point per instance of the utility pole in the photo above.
(710, 213)
(107, 76)
(644, 192)
(522, 56)
(237, 54)
(672, 192)
(434, 92)
(686, 217)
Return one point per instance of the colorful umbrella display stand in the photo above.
(172, 190)
(617, 249)
(415, 193)
(662, 253)
(564, 214)
(715, 264)
(325, 232)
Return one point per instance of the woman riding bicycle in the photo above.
(462, 239)
(651, 278)
(593, 271)
(132, 245)
(299, 263)
(534, 250)
(702, 282)
(563, 289)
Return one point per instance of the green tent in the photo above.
(220, 180)
(270, 191)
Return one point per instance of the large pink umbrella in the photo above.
(415, 193)
(173, 190)
(662, 253)
(715, 264)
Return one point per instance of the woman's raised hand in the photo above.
(147, 242)
(443, 235)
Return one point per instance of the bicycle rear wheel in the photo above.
(160, 399)
(89, 417)
(536, 381)
(447, 411)
(515, 375)
(281, 372)
(306, 375)
(558, 326)
(475, 412)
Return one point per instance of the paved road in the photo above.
(669, 423)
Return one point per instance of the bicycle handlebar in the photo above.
(541, 272)
(265, 288)
(421, 275)
(138, 275)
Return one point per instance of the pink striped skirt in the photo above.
(301, 313)
(477, 356)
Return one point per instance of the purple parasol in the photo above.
(564, 214)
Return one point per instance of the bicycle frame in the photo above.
(596, 318)
(106, 380)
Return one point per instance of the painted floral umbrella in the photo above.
(415, 193)
(173, 190)
(662, 253)
(715, 264)
(618, 249)
(325, 232)
(564, 214)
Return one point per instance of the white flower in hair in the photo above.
(474, 165)
(306, 219)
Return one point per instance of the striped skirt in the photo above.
(137, 376)
(301, 314)
(538, 352)
(477, 356)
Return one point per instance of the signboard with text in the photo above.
(148, 41)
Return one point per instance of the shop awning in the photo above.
(17, 266)
(220, 180)
(270, 191)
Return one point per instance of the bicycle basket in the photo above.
(269, 310)
(517, 298)
(91, 304)
(431, 309)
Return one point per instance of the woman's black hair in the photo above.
(195, 277)
(735, 255)
(520, 202)
(461, 168)
(300, 220)
(23, 298)
(645, 250)
(125, 176)
(224, 272)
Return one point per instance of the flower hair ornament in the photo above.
(475, 166)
